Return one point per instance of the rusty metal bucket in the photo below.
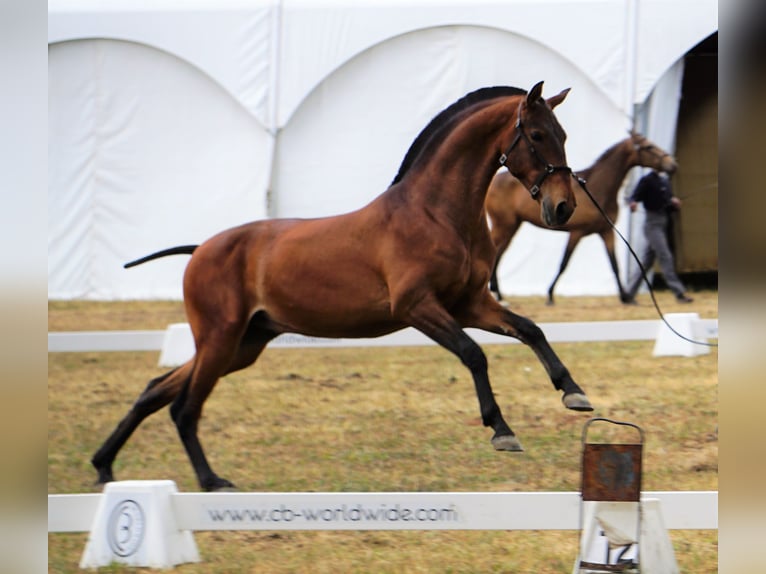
(611, 473)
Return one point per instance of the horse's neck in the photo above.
(455, 181)
(606, 175)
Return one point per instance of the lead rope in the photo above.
(584, 187)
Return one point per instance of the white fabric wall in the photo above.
(171, 120)
(145, 152)
(318, 37)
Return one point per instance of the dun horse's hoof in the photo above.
(577, 402)
(507, 442)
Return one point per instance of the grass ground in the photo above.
(389, 420)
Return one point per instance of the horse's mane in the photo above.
(610, 150)
(446, 117)
(585, 173)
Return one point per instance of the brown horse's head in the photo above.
(540, 162)
(651, 155)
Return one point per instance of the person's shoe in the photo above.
(683, 298)
(628, 299)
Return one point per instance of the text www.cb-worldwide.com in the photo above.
(344, 513)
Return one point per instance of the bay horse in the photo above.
(418, 255)
(508, 204)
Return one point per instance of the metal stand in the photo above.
(610, 512)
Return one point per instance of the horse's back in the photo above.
(312, 276)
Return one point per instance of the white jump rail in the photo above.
(639, 330)
(150, 523)
(682, 510)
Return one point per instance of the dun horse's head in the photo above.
(651, 155)
(540, 162)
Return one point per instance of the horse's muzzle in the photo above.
(669, 165)
(555, 214)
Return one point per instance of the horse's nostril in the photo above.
(558, 215)
(563, 213)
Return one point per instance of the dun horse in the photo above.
(508, 204)
(418, 255)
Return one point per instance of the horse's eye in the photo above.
(536, 136)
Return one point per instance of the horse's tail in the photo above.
(179, 250)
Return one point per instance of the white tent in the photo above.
(170, 120)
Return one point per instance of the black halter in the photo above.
(549, 168)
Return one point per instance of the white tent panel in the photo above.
(145, 153)
(666, 31)
(319, 37)
(232, 41)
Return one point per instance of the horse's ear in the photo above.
(535, 93)
(558, 98)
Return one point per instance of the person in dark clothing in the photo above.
(654, 191)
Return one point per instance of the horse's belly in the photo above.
(325, 304)
(347, 321)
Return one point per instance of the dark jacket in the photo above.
(654, 191)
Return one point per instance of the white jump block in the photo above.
(177, 346)
(135, 525)
(610, 527)
(669, 343)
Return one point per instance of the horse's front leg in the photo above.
(492, 317)
(435, 322)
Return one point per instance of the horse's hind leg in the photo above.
(212, 362)
(158, 393)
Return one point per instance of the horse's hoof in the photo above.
(507, 442)
(577, 402)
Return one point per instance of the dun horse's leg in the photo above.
(608, 239)
(158, 393)
(494, 318)
(493, 285)
(212, 363)
(501, 238)
(571, 244)
(436, 323)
